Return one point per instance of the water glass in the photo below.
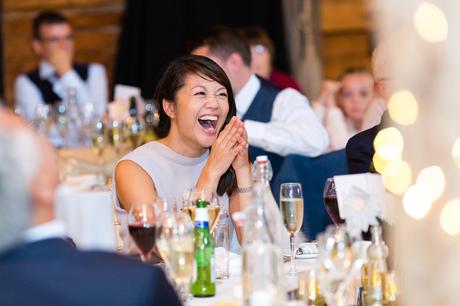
(221, 237)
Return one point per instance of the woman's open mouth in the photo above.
(209, 123)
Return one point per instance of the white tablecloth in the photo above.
(87, 215)
(230, 290)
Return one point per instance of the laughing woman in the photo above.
(201, 143)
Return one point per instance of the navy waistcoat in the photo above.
(46, 87)
(261, 110)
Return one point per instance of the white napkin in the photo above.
(360, 199)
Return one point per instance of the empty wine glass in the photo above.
(291, 204)
(142, 227)
(61, 121)
(181, 254)
(336, 259)
(330, 201)
(165, 227)
(43, 119)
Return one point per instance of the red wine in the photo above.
(143, 236)
(330, 202)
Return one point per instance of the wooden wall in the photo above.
(347, 35)
(345, 24)
(96, 27)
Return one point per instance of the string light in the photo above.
(403, 107)
(450, 215)
(430, 23)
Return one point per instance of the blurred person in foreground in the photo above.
(38, 266)
(57, 71)
(360, 148)
(262, 57)
(278, 122)
(343, 106)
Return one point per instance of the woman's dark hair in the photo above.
(174, 79)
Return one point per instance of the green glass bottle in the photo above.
(204, 277)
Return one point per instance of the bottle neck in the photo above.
(376, 232)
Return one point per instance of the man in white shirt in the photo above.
(38, 266)
(57, 72)
(278, 122)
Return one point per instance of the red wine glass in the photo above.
(142, 227)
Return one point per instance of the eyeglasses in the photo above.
(56, 39)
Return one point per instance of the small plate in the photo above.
(307, 250)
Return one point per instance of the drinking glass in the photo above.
(330, 201)
(43, 119)
(135, 132)
(181, 254)
(291, 205)
(61, 120)
(115, 135)
(165, 227)
(221, 236)
(213, 205)
(99, 143)
(142, 227)
(336, 260)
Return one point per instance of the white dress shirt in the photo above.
(293, 129)
(48, 230)
(94, 90)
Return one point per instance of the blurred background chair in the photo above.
(312, 174)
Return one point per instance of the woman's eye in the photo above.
(200, 93)
(223, 94)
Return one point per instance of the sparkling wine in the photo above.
(213, 212)
(292, 212)
(143, 236)
(330, 202)
(162, 243)
(181, 258)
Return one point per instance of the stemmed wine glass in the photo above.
(99, 143)
(165, 227)
(142, 227)
(212, 203)
(337, 263)
(330, 201)
(181, 254)
(135, 131)
(291, 204)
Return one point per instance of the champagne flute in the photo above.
(291, 204)
(330, 201)
(142, 227)
(181, 254)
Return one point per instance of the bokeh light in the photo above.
(397, 177)
(403, 107)
(416, 201)
(456, 152)
(434, 181)
(389, 144)
(431, 23)
(450, 216)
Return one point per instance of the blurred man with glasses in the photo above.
(57, 71)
